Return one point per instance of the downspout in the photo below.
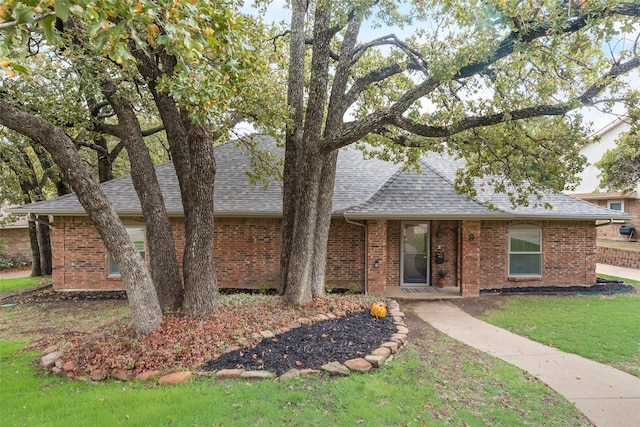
(605, 223)
(366, 252)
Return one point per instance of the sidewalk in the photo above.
(612, 270)
(607, 396)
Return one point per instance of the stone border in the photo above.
(52, 359)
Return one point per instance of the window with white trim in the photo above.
(616, 205)
(136, 234)
(525, 251)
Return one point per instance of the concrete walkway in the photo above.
(607, 396)
(613, 270)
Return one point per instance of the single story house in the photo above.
(390, 228)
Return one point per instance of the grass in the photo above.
(601, 328)
(406, 392)
(20, 283)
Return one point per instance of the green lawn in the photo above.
(477, 390)
(20, 283)
(602, 328)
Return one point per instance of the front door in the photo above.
(415, 254)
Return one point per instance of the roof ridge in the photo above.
(446, 179)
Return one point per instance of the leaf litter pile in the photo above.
(201, 342)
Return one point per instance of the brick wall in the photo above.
(393, 252)
(377, 252)
(246, 253)
(16, 241)
(472, 276)
(568, 254)
(618, 257)
(444, 238)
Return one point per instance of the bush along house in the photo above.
(390, 229)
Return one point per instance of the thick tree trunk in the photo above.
(191, 150)
(146, 314)
(201, 296)
(162, 253)
(323, 224)
(300, 213)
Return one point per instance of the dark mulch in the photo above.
(310, 347)
(611, 287)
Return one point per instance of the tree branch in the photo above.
(11, 24)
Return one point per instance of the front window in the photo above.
(616, 205)
(525, 251)
(136, 234)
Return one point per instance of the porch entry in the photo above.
(415, 266)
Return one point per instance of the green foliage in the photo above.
(604, 329)
(620, 166)
(352, 288)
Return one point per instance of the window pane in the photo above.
(525, 240)
(525, 264)
(136, 234)
(616, 206)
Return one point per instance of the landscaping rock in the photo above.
(392, 346)
(147, 375)
(257, 375)
(358, 365)
(375, 361)
(50, 349)
(224, 374)
(305, 321)
(289, 375)
(57, 371)
(382, 351)
(69, 366)
(402, 330)
(336, 369)
(120, 374)
(175, 378)
(98, 375)
(50, 359)
(399, 338)
(309, 371)
(294, 325)
(267, 334)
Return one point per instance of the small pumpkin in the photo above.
(378, 309)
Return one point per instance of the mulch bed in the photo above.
(610, 288)
(311, 346)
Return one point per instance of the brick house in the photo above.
(14, 234)
(390, 228)
(588, 189)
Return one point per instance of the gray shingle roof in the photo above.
(363, 188)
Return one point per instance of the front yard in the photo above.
(434, 381)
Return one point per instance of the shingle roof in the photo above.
(363, 188)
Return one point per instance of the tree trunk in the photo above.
(191, 150)
(300, 214)
(105, 164)
(146, 314)
(162, 253)
(36, 267)
(201, 296)
(44, 245)
(323, 224)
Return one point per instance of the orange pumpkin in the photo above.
(378, 309)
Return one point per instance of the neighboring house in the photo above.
(15, 236)
(390, 228)
(588, 189)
